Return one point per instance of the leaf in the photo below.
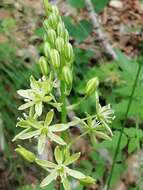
(39, 32)
(26, 105)
(133, 144)
(41, 143)
(66, 184)
(58, 155)
(74, 173)
(72, 158)
(45, 163)
(56, 138)
(127, 65)
(99, 5)
(77, 4)
(29, 134)
(49, 118)
(52, 176)
(83, 30)
(38, 108)
(80, 31)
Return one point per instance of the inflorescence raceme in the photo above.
(56, 68)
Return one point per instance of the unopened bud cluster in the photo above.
(58, 52)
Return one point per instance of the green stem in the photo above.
(77, 138)
(122, 129)
(72, 107)
(63, 101)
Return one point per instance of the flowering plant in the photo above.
(51, 92)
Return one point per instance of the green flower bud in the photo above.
(91, 86)
(60, 29)
(51, 37)
(66, 36)
(43, 65)
(68, 51)
(67, 75)
(46, 25)
(29, 156)
(55, 10)
(53, 21)
(55, 58)
(60, 44)
(47, 49)
(48, 6)
(87, 180)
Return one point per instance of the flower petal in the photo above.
(58, 155)
(66, 184)
(102, 135)
(52, 176)
(72, 158)
(49, 118)
(26, 105)
(45, 163)
(38, 108)
(30, 134)
(20, 134)
(56, 138)
(26, 94)
(41, 143)
(74, 173)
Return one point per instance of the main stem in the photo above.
(122, 129)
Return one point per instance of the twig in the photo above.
(102, 36)
(58, 183)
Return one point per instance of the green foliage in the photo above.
(79, 31)
(77, 4)
(98, 5)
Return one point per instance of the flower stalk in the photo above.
(56, 68)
